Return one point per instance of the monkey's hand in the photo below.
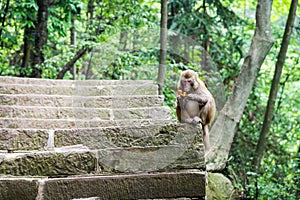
(194, 121)
(197, 120)
(202, 99)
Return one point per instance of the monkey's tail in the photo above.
(206, 142)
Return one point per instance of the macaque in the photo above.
(195, 104)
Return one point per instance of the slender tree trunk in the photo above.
(224, 128)
(123, 41)
(135, 39)
(72, 30)
(41, 35)
(91, 7)
(275, 83)
(72, 42)
(204, 42)
(28, 41)
(163, 46)
(88, 73)
(186, 52)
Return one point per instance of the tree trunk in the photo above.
(73, 42)
(204, 65)
(224, 128)
(163, 46)
(275, 83)
(28, 38)
(41, 35)
(91, 7)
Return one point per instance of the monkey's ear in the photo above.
(196, 81)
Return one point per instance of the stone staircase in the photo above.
(94, 139)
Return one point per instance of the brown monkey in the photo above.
(195, 104)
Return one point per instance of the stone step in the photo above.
(163, 185)
(41, 112)
(81, 101)
(68, 83)
(98, 138)
(81, 90)
(29, 123)
(80, 160)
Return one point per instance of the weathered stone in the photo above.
(142, 113)
(188, 184)
(118, 101)
(69, 83)
(128, 136)
(116, 90)
(219, 187)
(48, 163)
(141, 186)
(149, 159)
(30, 123)
(117, 149)
(18, 188)
(103, 90)
(23, 139)
(77, 160)
(53, 112)
(84, 113)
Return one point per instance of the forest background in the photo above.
(103, 39)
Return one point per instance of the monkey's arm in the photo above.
(202, 99)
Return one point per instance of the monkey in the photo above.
(195, 104)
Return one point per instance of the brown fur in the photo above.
(197, 105)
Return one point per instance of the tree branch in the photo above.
(68, 66)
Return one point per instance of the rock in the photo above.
(219, 187)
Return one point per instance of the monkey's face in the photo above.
(187, 84)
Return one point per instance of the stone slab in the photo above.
(48, 163)
(103, 90)
(23, 139)
(97, 138)
(81, 101)
(128, 136)
(52, 82)
(18, 188)
(184, 183)
(142, 186)
(29, 123)
(109, 150)
(94, 138)
(79, 160)
(42, 112)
